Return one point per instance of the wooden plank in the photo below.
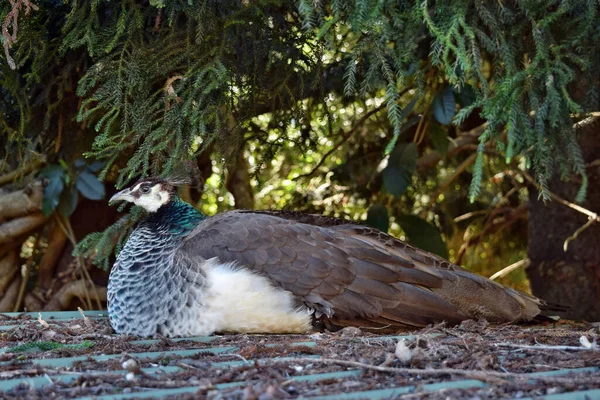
(593, 394)
(38, 382)
(62, 315)
(68, 361)
(565, 371)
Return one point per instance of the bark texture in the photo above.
(570, 278)
(238, 184)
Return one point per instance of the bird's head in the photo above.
(149, 193)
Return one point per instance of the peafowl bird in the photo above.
(181, 274)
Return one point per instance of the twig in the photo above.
(483, 375)
(86, 320)
(420, 132)
(511, 216)
(592, 216)
(562, 201)
(233, 355)
(12, 18)
(593, 116)
(23, 170)
(71, 235)
(464, 141)
(43, 323)
(575, 234)
(459, 170)
(345, 137)
(505, 271)
(348, 134)
(470, 214)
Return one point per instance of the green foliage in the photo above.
(540, 51)
(397, 175)
(422, 234)
(378, 217)
(101, 246)
(56, 176)
(298, 87)
(198, 71)
(439, 137)
(444, 105)
(63, 185)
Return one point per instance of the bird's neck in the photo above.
(174, 218)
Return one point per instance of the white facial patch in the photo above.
(153, 200)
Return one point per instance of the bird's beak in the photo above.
(123, 195)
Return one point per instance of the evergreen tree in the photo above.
(142, 85)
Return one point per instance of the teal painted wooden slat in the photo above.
(68, 361)
(370, 394)
(593, 394)
(397, 391)
(200, 339)
(220, 386)
(565, 371)
(203, 339)
(38, 382)
(328, 375)
(373, 394)
(48, 315)
(467, 383)
(151, 394)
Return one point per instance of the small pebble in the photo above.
(403, 353)
(131, 365)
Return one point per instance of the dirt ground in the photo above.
(499, 356)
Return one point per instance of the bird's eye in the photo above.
(145, 189)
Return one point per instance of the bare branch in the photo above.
(472, 374)
(345, 137)
(505, 271)
(20, 226)
(22, 170)
(79, 289)
(21, 202)
(592, 216)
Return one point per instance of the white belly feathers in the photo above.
(237, 300)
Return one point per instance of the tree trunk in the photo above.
(570, 278)
(238, 184)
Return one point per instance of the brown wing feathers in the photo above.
(353, 274)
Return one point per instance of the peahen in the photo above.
(181, 274)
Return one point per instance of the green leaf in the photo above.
(89, 186)
(79, 164)
(95, 166)
(444, 106)
(68, 201)
(51, 171)
(378, 217)
(52, 193)
(466, 96)
(422, 234)
(439, 137)
(63, 164)
(401, 165)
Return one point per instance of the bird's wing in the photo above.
(346, 271)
